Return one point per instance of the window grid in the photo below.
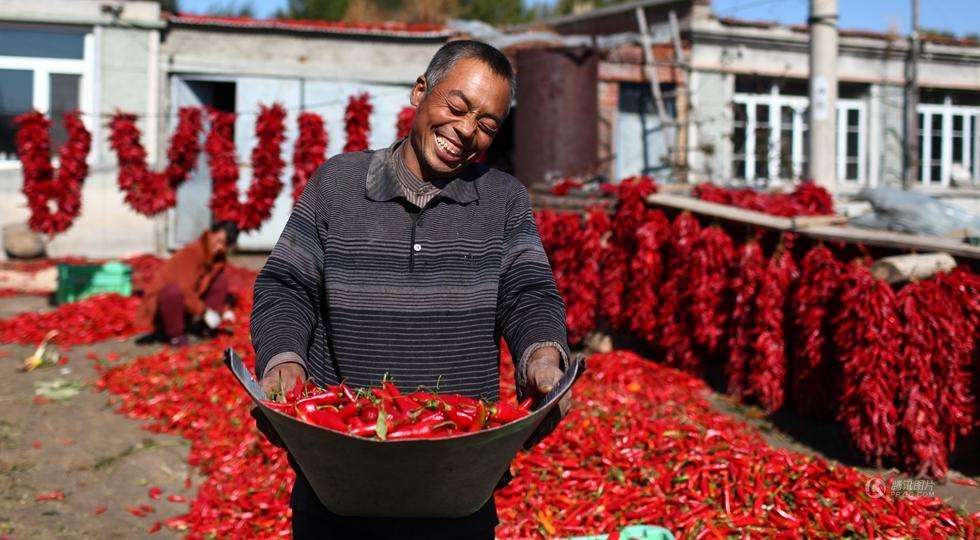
(771, 135)
(948, 140)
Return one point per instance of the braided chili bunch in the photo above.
(749, 276)
(267, 164)
(814, 362)
(403, 126)
(148, 192)
(646, 274)
(582, 300)
(960, 403)
(309, 150)
(40, 186)
(357, 122)
(630, 213)
(767, 368)
(868, 341)
(676, 324)
(561, 234)
(926, 352)
(711, 266)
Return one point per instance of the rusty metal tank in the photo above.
(555, 123)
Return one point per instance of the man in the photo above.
(191, 286)
(412, 261)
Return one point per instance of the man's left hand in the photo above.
(543, 373)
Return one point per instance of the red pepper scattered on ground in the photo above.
(98, 318)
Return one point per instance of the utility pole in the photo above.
(912, 104)
(823, 93)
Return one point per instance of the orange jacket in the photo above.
(193, 268)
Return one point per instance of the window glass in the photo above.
(38, 43)
(64, 98)
(786, 142)
(936, 163)
(762, 141)
(971, 145)
(16, 97)
(738, 142)
(958, 138)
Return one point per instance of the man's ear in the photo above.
(419, 90)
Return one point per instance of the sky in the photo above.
(959, 16)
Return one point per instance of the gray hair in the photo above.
(454, 51)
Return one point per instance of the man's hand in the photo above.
(543, 373)
(276, 382)
(280, 379)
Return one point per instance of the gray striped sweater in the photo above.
(358, 286)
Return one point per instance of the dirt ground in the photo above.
(100, 459)
(81, 448)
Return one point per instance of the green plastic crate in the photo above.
(635, 532)
(78, 281)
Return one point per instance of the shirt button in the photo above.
(417, 247)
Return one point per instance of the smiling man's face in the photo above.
(457, 119)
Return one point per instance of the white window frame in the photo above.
(42, 69)
(776, 101)
(947, 110)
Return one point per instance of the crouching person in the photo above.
(191, 288)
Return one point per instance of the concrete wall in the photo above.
(312, 55)
(105, 228)
(121, 77)
(710, 143)
(890, 119)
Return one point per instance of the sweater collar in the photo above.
(382, 184)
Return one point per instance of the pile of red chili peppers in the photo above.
(808, 199)
(788, 322)
(641, 446)
(385, 413)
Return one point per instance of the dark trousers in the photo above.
(313, 520)
(170, 304)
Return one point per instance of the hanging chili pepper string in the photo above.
(768, 366)
(582, 300)
(647, 275)
(148, 192)
(815, 363)
(55, 200)
(357, 122)
(267, 165)
(629, 214)
(403, 126)
(749, 275)
(309, 151)
(712, 259)
(867, 338)
(677, 324)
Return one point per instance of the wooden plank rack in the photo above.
(830, 228)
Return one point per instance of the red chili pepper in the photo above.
(329, 419)
(480, 419)
(406, 404)
(504, 413)
(462, 420)
(419, 430)
(359, 427)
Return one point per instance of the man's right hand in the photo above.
(276, 382)
(280, 379)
